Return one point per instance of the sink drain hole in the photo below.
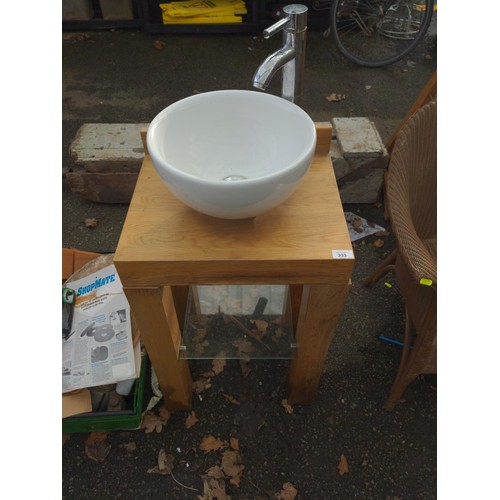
(234, 178)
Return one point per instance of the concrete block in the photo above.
(359, 159)
(357, 137)
(108, 147)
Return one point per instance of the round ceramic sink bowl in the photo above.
(232, 154)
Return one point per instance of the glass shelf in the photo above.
(238, 322)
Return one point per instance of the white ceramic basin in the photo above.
(232, 154)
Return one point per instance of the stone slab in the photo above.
(108, 147)
(357, 138)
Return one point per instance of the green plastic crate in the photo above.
(113, 421)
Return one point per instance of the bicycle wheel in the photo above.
(379, 32)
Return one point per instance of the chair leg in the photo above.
(403, 378)
(382, 269)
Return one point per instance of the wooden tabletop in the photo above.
(164, 242)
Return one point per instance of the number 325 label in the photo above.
(342, 254)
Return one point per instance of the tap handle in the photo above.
(275, 28)
(296, 18)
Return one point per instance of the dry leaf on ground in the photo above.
(243, 346)
(334, 97)
(165, 464)
(343, 466)
(164, 414)
(129, 447)
(159, 44)
(261, 326)
(151, 422)
(201, 384)
(216, 472)
(213, 488)
(378, 243)
(288, 407)
(232, 466)
(91, 223)
(96, 446)
(288, 492)
(231, 399)
(211, 443)
(191, 420)
(245, 367)
(219, 364)
(357, 224)
(235, 444)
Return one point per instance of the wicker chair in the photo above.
(411, 197)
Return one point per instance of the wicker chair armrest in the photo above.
(414, 252)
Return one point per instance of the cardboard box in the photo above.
(77, 405)
(77, 10)
(117, 10)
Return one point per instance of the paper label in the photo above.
(342, 254)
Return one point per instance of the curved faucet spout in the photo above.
(291, 56)
(271, 65)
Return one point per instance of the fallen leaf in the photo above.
(91, 223)
(343, 466)
(213, 488)
(382, 233)
(151, 422)
(165, 464)
(334, 97)
(190, 420)
(243, 346)
(261, 325)
(129, 447)
(201, 384)
(210, 443)
(164, 414)
(288, 492)
(357, 224)
(288, 407)
(219, 364)
(235, 444)
(159, 44)
(245, 367)
(378, 243)
(232, 466)
(216, 472)
(232, 400)
(96, 446)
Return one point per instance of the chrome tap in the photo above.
(291, 57)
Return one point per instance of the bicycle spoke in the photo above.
(378, 32)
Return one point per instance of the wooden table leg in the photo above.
(154, 312)
(320, 309)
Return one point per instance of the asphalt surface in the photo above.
(120, 77)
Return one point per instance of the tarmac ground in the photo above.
(120, 77)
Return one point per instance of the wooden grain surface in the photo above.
(164, 241)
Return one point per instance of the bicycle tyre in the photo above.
(369, 38)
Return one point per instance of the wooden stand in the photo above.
(166, 246)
